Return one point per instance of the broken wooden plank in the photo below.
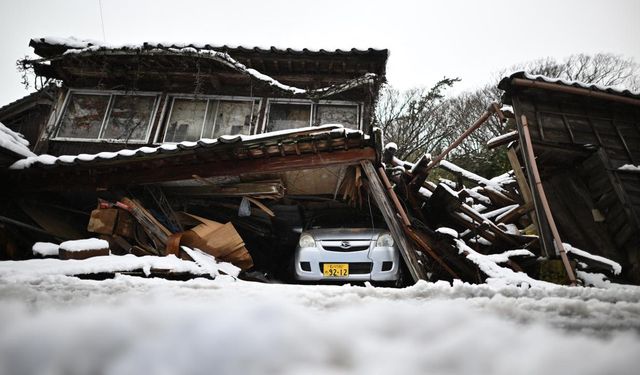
(523, 187)
(263, 189)
(395, 226)
(158, 232)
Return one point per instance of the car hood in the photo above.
(346, 233)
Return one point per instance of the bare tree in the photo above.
(424, 120)
(415, 119)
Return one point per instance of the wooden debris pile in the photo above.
(473, 228)
(130, 228)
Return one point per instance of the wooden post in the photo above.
(522, 182)
(393, 222)
(535, 177)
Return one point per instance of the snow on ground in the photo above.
(54, 324)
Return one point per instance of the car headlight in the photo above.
(384, 240)
(306, 241)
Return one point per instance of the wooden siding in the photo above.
(580, 144)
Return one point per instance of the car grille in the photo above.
(359, 268)
(340, 245)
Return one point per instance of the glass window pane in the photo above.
(186, 120)
(129, 117)
(347, 115)
(83, 117)
(288, 116)
(235, 118)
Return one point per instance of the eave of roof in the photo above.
(292, 149)
(34, 97)
(507, 84)
(52, 46)
(278, 138)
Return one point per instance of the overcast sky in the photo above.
(427, 39)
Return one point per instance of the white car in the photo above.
(347, 255)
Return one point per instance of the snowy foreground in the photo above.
(55, 324)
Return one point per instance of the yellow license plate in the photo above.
(335, 270)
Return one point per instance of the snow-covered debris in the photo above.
(208, 262)
(14, 142)
(630, 167)
(84, 245)
(504, 257)
(45, 249)
(502, 137)
(391, 146)
(596, 280)
(497, 273)
(500, 212)
(471, 176)
(448, 231)
(504, 179)
(473, 193)
(448, 188)
(99, 264)
(615, 266)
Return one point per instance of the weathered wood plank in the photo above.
(393, 222)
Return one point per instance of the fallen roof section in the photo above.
(309, 147)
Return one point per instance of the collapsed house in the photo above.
(586, 142)
(230, 149)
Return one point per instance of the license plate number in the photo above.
(335, 270)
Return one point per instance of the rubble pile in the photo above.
(481, 229)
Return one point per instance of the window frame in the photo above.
(314, 109)
(111, 94)
(167, 112)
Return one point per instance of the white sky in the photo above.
(427, 39)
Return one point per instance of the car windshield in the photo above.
(344, 220)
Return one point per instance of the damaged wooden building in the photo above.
(194, 128)
(237, 150)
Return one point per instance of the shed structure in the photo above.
(586, 139)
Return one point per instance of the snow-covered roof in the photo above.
(505, 84)
(14, 142)
(49, 161)
(56, 50)
(73, 43)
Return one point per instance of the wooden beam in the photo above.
(535, 176)
(523, 187)
(393, 222)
